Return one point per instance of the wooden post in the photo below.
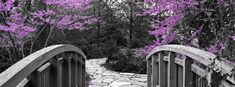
(73, 70)
(171, 77)
(65, 71)
(53, 72)
(149, 73)
(154, 71)
(180, 76)
(59, 72)
(43, 75)
(40, 80)
(76, 70)
(187, 73)
(47, 79)
(79, 68)
(69, 71)
(162, 69)
(83, 72)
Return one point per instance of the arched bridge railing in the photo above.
(183, 66)
(54, 66)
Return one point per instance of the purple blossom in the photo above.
(159, 31)
(65, 21)
(216, 47)
(80, 4)
(233, 37)
(8, 5)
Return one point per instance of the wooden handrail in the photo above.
(163, 69)
(201, 56)
(40, 61)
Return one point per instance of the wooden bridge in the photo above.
(167, 66)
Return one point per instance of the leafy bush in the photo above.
(125, 61)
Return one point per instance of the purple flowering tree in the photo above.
(168, 15)
(20, 21)
(206, 24)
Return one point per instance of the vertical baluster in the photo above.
(154, 71)
(59, 72)
(73, 70)
(187, 73)
(180, 76)
(196, 80)
(157, 73)
(83, 72)
(65, 70)
(69, 70)
(53, 73)
(47, 79)
(162, 69)
(76, 73)
(171, 70)
(76, 70)
(201, 82)
(43, 76)
(79, 68)
(40, 79)
(149, 73)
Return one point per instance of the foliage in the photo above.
(121, 62)
(23, 22)
(129, 35)
(205, 24)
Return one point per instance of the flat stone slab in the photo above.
(101, 77)
(119, 84)
(139, 79)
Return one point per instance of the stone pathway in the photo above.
(101, 77)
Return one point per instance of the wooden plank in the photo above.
(162, 69)
(23, 83)
(198, 70)
(44, 68)
(187, 73)
(226, 84)
(149, 69)
(179, 61)
(171, 77)
(154, 71)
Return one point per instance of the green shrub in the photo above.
(126, 61)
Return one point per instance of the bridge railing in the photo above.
(54, 66)
(183, 66)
